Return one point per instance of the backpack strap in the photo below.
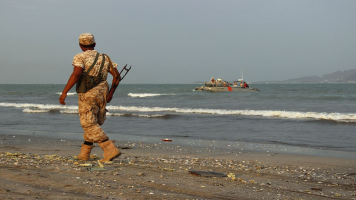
(110, 63)
(96, 59)
(102, 64)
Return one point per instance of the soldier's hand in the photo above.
(62, 98)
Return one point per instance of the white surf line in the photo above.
(340, 117)
(264, 113)
(142, 95)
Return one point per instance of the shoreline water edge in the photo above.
(230, 147)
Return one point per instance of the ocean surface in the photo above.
(318, 119)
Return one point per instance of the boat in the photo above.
(220, 85)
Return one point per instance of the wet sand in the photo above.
(33, 167)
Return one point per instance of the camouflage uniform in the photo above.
(92, 113)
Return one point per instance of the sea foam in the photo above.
(68, 94)
(42, 108)
(146, 94)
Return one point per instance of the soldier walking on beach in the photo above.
(92, 112)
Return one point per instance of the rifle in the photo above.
(113, 87)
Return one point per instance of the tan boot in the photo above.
(110, 151)
(85, 152)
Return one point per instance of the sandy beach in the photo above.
(33, 167)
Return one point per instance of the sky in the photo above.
(179, 41)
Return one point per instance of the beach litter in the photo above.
(98, 168)
(232, 176)
(86, 165)
(317, 189)
(207, 174)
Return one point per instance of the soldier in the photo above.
(92, 112)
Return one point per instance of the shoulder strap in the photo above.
(96, 59)
(110, 63)
(102, 63)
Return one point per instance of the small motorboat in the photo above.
(219, 85)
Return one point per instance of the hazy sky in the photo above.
(179, 41)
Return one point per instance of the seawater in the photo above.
(281, 117)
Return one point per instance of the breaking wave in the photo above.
(68, 94)
(165, 116)
(38, 106)
(147, 94)
(28, 110)
(339, 117)
(164, 112)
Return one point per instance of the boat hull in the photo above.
(226, 89)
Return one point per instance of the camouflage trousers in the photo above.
(92, 113)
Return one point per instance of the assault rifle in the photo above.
(113, 87)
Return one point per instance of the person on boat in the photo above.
(92, 103)
(235, 83)
(211, 82)
(242, 84)
(245, 85)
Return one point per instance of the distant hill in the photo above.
(347, 76)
